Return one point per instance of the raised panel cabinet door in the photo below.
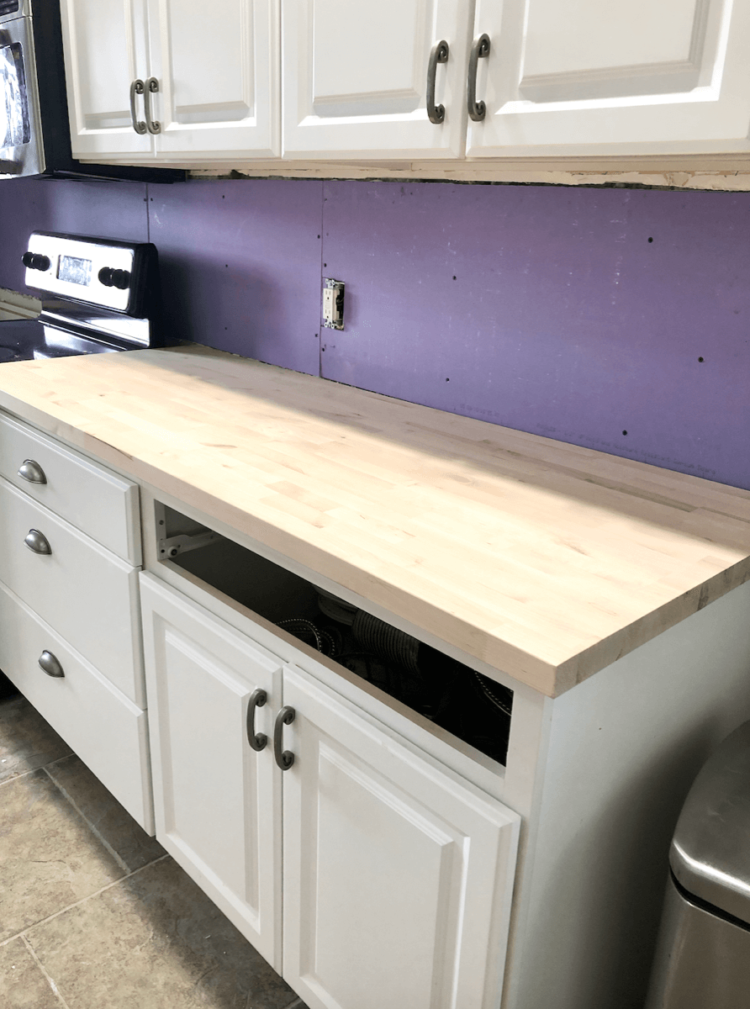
(217, 69)
(355, 78)
(217, 801)
(106, 50)
(589, 78)
(398, 874)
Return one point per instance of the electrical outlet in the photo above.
(333, 303)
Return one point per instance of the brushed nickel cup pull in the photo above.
(151, 87)
(439, 54)
(32, 471)
(284, 759)
(257, 740)
(479, 50)
(37, 542)
(51, 664)
(136, 88)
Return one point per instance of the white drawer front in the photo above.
(101, 504)
(87, 594)
(105, 729)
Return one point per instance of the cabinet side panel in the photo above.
(624, 748)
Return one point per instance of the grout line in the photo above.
(77, 903)
(23, 774)
(58, 760)
(42, 767)
(120, 861)
(40, 965)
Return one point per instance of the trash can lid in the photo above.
(710, 852)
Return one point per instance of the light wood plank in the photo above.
(547, 560)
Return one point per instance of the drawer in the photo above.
(83, 591)
(102, 505)
(107, 731)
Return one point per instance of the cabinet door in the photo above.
(587, 77)
(105, 51)
(218, 70)
(397, 873)
(217, 801)
(355, 78)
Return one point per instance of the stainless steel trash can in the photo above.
(703, 950)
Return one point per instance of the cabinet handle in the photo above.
(439, 54)
(37, 542)
(136, 88)
(152, 86)
(257, 740)
(50, 664)
(32, 471)
(479, 49)
(285, 717)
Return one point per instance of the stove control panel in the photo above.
(116, 276)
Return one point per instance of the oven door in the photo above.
(21, 148)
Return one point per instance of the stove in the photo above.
(98, 296)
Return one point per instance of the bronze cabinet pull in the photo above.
(151, 87)
(136, 88)
(257, 740)
(284, 759)
(479, 50)
(439, 54)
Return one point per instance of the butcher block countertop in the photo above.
(546, 560)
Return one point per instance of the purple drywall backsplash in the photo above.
(580, 314)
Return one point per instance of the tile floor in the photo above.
(93, 913)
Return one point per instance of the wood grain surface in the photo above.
(546, 560)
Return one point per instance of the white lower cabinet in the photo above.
(107, 731)
(397, 873)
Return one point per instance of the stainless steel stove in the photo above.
(98, 296)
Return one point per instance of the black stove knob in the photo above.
(121, 279)
(107, 276)
(35, 261)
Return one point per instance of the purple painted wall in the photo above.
(580, 314)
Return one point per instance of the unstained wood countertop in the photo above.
(546, 560)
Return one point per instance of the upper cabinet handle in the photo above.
(284, 758)
(37, 542)
(136, 88)
(439, 54)
(480, 49)
(32, 471)
(257, 740)
(152, 86)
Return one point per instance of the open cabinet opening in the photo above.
(460, 700)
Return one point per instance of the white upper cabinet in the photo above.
(362, 81)
(584, 77)
(357, 76)
(218, 78)
(106, 51)
(208, 87)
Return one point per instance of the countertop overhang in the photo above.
(545, 560)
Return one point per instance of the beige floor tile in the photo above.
(22, 984)
(155, 941)
(26, 740)
(48, 856)
(104, 813)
